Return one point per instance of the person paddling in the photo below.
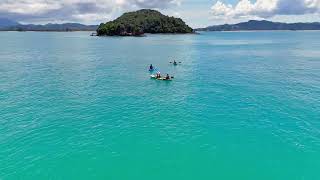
(158, 75)
(174, 62)
(167, 77)
(151, 67)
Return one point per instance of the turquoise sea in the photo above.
(243, 105)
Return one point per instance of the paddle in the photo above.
(154, 69)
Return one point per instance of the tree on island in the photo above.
(143, 21)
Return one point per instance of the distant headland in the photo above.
(143, 21)
(254, 25)
(10, 25)
(150, 21)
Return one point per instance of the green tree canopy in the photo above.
(143, 21)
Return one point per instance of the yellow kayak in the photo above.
(162, 79)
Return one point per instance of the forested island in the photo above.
(143, 21)
(254, 25)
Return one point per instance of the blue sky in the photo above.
(197, 13)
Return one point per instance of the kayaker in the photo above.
(174, 62)
(151, 67)
(158, 75)
(167, 77)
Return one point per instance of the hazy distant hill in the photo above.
(48, 27)
(7, 23)
(262, 25)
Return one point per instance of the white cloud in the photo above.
(264, 8)
(151, 3)
(29, 7)
(70, 10)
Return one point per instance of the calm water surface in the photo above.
(243, 105)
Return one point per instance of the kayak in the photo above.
(175, 63)
(162, 79)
